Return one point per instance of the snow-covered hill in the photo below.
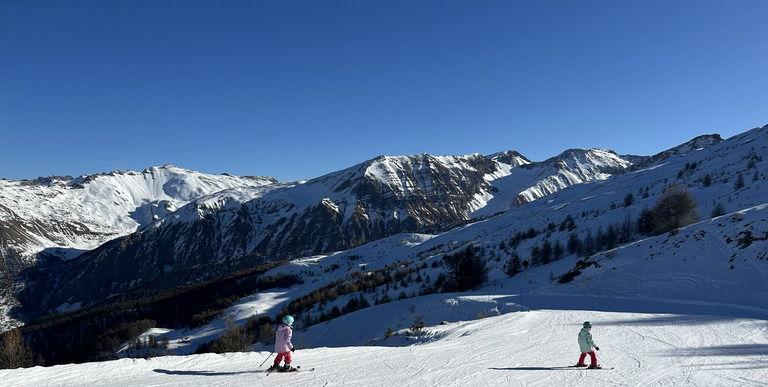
(666, 310)
(706, 268)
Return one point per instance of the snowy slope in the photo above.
(521, 349)
(688, 273)
(655, 322)
(682, 309)
(512, 349)
(667, 310)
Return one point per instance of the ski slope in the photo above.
(528, 348)
(687, 309)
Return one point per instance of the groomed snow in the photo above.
(529, 348)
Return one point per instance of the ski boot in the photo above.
(580, 365)
(594, 367)
(288, 368)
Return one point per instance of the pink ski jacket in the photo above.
(283, 338)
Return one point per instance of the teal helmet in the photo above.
(288, 320)
(587, 324)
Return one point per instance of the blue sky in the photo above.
(297, 89)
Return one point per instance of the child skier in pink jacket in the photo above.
(283, 346)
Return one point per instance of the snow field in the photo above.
(530, 348)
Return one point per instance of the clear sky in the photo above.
(297, 89)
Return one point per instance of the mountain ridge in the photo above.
(216, 231)
(377, 198)
(102, 206)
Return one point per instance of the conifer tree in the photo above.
(718, 210)
(467, 269)
(739, 182)
(514, 265)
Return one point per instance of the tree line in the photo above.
(95, 333)
(675, 208)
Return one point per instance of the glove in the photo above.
(293, 349)
(597, 348)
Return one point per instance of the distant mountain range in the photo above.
(61, 217)
(73, 242)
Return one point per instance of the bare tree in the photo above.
(676, 208)
(266, 334)
(14, 351)
(234, 339)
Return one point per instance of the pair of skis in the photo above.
(298, 369)
(591, 368)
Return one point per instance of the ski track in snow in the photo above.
(531, 348)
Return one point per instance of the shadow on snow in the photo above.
(203, 373)
(537, 368)
(724, 350)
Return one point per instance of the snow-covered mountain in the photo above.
(55, 219)
(574, 166)
(234, 229)
(64, 216)
(493, 197)
(716, 267)
(683, 308)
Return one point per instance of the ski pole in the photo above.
(598, 357)
(265, 360)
